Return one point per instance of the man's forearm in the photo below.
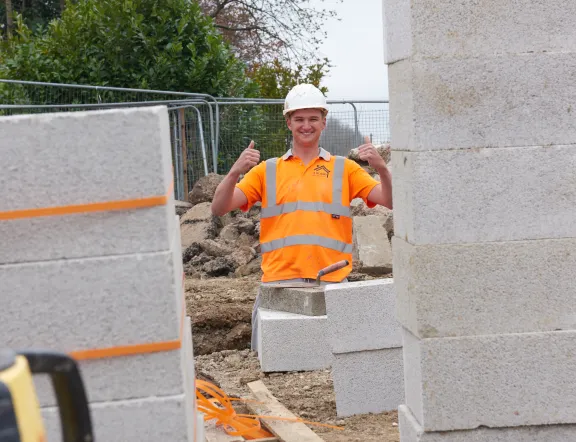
(385, 186)
(224, 193)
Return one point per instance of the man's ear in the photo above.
(288, 122)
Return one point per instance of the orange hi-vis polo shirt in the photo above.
(305, 221)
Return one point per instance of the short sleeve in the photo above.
(252, 185)
(360, 182)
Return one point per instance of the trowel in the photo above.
(331, 268)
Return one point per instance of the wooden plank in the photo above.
(284, 430)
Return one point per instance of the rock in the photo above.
(218, 267)
(200, 259)
(244, 225)
(371, 245)
(204, 189)
(252, 267)
(383, 150)
(196, 232)
(198, 213)
(257, 229)
(227, 219)
(229, 233)
(245, 240)
(191, 251)
(242, 256)
(213, 248)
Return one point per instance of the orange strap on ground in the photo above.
(220, 407)
(138, 203)
(128, 350)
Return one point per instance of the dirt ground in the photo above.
(220, 309)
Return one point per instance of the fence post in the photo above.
(184, 152)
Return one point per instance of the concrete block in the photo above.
(482, 102)
(454, 28)
(291, 342)
(109, 155)
(302, 301)
(126, 377)
(489, 288)
(200, 428)
(88, 303)
(143, 420)
(470, 199)
(493, 381)
(87, 235)
(371, 245)
(411, 431)
(397, 31)
(362, 316)
(368, 381)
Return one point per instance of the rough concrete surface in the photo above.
(411, 431)
(142, 420)
(127, 377)
(368, 381)
(302, 301)
(493, 381)
(90, 303)
(291, 342)
(482, 102)
(485, 195)
(482, 289)
(371, 245)
(109, 155)
(87, 235)
(454, 28)
(362, 316)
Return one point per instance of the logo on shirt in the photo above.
(321, 171)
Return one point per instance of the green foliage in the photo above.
(36, 14)
(276, 79)
(148, 44)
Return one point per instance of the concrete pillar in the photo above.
(482, 103)
(75, 280)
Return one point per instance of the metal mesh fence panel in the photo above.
(207, 134)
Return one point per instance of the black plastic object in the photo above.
(69, 389)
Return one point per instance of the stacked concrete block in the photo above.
(372, 250)
(292, 330)
(366, 341)
(484, 203)
(92, 261)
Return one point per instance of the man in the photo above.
(305, 219)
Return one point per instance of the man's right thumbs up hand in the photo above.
(246, 161)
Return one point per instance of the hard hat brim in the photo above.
(322, 108)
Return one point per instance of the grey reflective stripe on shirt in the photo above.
(299, 240)
(334, 208)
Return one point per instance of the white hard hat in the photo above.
(304, 96)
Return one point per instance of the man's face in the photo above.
(306, 126)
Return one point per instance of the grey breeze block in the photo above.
(493, 381)
(302, 301)
(362, 316)
(411, 431)
(485, 288)
(91, 303)
(291, 342)
(459, 103)
(484, 195)
(453, 28)
(368, 381)
(108, 155)
(143, 420)
(87, 235)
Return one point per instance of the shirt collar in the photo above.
(324, 154)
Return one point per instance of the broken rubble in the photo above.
(198, 213)
(204, 189)
(372, 249)
(216, 249)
